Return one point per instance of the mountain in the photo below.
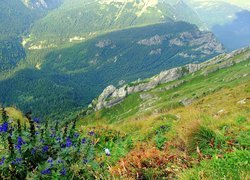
(70, 78)
(15, 20)
(111, 96)
(85, 17)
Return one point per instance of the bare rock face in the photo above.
(112, 95)
(105, 43)
(107, 92)
(155, 40)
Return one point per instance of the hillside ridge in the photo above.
(112, 96)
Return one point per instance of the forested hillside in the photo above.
(70, 78)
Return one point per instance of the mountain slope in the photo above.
(15, 20)
(79, 73)
(112, 96)
(85, 17)
(200, 121)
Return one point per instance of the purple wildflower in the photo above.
(33, 151)
(37, 120)
(20, 141)
(85, 161)
(76, 135)
(4, 127)
(60, 161)
(17, 161)
(50, 160)
(83, 141)
(68, 142)
(46, 172)
(91, 133)
(2, 161)
(58, 139)
(53, 135)
(19, 144)
(45, 149)
(63, 172)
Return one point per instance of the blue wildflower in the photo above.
(36, 133)
(85, 161)
(33, 151)
(76, 135)
(20, 141)
(18, 147)
(4, 127)
(53, 135)
(60, 161)
(46, 172)
(91, 133)
(63, 172)
(58, 139)
(63, 146)
(50, 160)
(37, 120)
(19, 144)
(2, 161)
(68, 142)
(83, 141)
(45, 149)
(17, 161)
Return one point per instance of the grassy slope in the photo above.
(215, 109)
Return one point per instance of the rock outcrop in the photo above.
(112, 95)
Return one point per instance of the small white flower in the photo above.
(107, 151)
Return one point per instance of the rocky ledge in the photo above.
(112, 95)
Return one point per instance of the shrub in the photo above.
(147, 162)
(204, 139)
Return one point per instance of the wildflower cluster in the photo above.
(36, 150)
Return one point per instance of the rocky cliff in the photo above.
(112, 95)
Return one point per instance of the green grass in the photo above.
(214, 123)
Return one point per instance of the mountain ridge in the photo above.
(112, 96)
